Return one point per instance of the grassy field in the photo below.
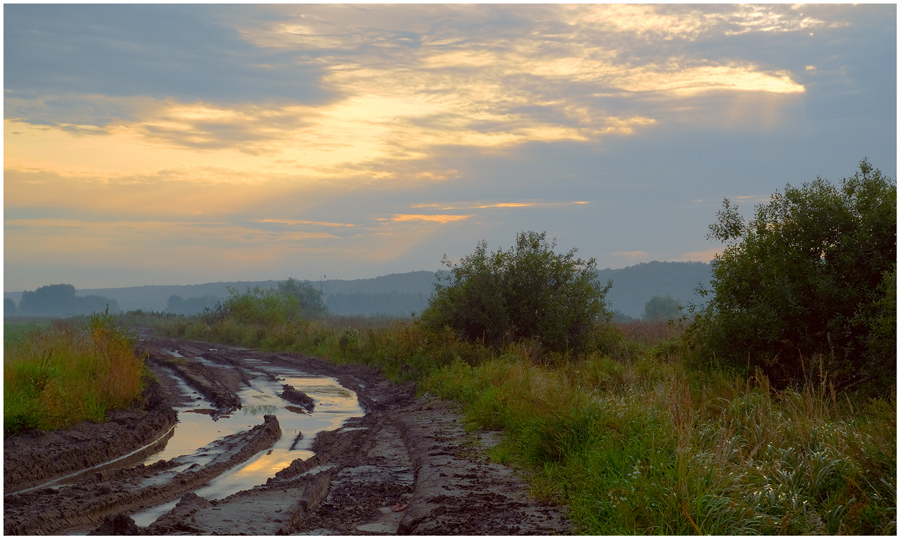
(630, 438)
(57, 373)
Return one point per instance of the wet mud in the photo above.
(401, 465)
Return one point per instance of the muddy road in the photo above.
(234, 441)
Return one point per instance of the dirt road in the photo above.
(361, 456)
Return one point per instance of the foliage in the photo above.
(9, 307)
(527, 292)
(662, 308)
(309, 299)
(57, 376)
(806, 287)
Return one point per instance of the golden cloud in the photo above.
(441, 219)
(488, 205)
(295, 222)
(399, 105)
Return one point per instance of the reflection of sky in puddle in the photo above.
(334, 405)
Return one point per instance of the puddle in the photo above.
(196, 429)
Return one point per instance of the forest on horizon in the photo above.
(399, 294)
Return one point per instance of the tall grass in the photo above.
(632, 439)
(57, 376)
(636, 448)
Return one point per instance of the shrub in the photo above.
(809, 279)
(289, 302)
(527, 292)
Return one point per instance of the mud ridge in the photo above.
(34, 458)
(72, 507)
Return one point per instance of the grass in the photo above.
(59, 373)
(630, 438)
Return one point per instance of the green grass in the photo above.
(632, 448)
(59, 373)
(630, 438)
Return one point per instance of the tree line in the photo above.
(58, 300)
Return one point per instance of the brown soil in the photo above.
(406, 467)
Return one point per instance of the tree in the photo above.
(50, 300)
(527, 292)
(808, 279)
(662, 308)
(9, 307)
(308, 298)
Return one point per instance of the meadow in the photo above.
(57, 373)
(631, 437)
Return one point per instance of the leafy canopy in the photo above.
(527, 292)
(811, 276)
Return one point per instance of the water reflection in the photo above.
(196, 428)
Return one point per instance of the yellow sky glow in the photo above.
(362, 111)
(442, 219)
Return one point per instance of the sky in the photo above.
(186, 144)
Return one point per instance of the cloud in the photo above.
(163, 51)
(340, 133)
(441, 219)
(396, 95)
(489, 205)
(295, 222)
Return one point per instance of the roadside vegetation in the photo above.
(58, 373)
(662, 425)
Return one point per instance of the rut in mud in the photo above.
(296, 446)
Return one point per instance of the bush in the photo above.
(806, 287)
(289, 302)
(528, 292)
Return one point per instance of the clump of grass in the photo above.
(56, 377)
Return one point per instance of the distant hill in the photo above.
(634, 286)
(404, 293)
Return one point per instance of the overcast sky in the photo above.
(183, 144)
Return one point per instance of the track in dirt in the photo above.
(396, 465)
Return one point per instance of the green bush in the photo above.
(527, 292)
(289, 302)
(805, 289)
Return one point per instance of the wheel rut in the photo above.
(404, 466)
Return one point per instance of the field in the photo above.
(630, 438)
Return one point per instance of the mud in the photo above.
(406, 466)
